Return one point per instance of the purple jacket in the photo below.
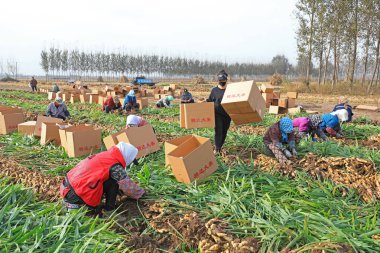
(302, 123)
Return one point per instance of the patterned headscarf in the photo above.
(315, 120)
(286, 127)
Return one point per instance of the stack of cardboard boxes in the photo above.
(278, 104)
(170, 90)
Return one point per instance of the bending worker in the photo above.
(278, 135)
(103, 173)
(58, 109)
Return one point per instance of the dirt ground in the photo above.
(315, 102)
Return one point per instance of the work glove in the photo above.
(294, 152)
(287, 153)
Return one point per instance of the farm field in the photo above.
(327, 202)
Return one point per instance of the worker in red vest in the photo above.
(103, 173)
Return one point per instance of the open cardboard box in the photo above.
(193, 160)
(80, 140)
(40, 119)
(173, 144)
(143, 138)
(143, 102)
(197, 115)
(10, 117)
(50, 132)
(111, 140)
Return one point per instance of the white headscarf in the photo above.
(131, 93)
(128, 151)
(133, 120)
(341, 114)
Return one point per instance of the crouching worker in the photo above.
(308, 126)
(111, 104)
(330, 123)
(278, 135)
(130, 101)
(135, 121)
(58, 109)
(186, 97)
(165, 102)
(103, 173)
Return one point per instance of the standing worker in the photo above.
(33, 84)
(55, 88)
(103, 173)
(222, 119)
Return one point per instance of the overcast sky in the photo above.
(239, 30)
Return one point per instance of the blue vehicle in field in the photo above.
(141, 80)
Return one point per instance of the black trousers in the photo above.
(222, 124)
(110, 190)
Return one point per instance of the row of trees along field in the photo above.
(57, 62)
(342, 38)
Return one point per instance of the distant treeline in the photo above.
(81, 63)
(340, 37)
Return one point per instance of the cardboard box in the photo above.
(40, 119)
(274, 102)
(283, 102)
(9, 119)
(66, 96)
(294, 110)
(173, 144)
(50, 133)
(84, 98)
(166, 88)
(292, 94)
(51, 95)
(243, 98)
(80, 140)
(101, 100)
(277, 110)
(173, 87)
(311, 112)
(143, 138)
(157, 96)
(143, 102)
(276, 95)
(367, 108)
(93, 98)
(245, 118)
(157, 90)
(267, 96)
(267, 88)
(197, 115)
(291, 102)
(111, 140)
(74, 98)
(27, 128)
(193, 160)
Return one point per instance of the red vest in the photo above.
(88, 176)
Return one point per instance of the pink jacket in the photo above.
(302, 123)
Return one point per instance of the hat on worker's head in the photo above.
(170, 98)
(342, 115)
(222, 76)
(286, 125)
(131, 93)
(128, 151)
(59, 100)
(185, 90)
(133, 120)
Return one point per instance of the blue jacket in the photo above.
(349, 110)
(129, 99)
(329, 121)
(186, 96)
